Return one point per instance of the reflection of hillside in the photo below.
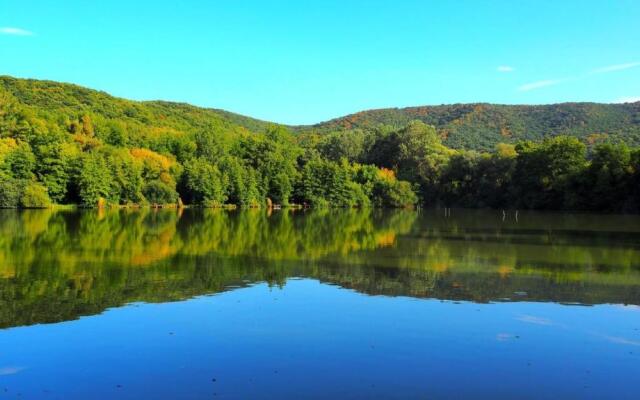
(69, 240)
(59, 265)
(474, 286)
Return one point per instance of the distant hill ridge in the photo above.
(57, 96)
(482, 125)
(471, 126)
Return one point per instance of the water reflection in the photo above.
(59, 265)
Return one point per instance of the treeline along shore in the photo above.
(64, 144)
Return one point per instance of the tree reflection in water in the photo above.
(59, 265)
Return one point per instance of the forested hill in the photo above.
(480, 126)
(73, 99)
(62, 143)
(462, 126)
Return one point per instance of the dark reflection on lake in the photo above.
(472, 306)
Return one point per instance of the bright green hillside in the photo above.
(481, 126)
(62, 143)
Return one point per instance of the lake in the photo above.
(191, 304)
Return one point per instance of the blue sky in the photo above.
(307, 61)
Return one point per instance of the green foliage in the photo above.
(326, 183)
(34, 195)
(21, 161)
(383, 188)
(415, 152)
(476, 180)
(9, 191)
(482, 126)
(460, 179)
(158, 192)
(274, 158)
(53, 174)
(242, 182)
(397, 194)
(94, 179)
(634, 181)
(83, 146)
(608, 177)
(545, 172)
(128, 179)
(204, 183)
(338, 145)
(87, 147)
(421, 156)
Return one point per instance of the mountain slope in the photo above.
(76, 100)
(66, 144)
(481, 126)
(473, 126)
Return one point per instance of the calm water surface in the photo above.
(323, 304)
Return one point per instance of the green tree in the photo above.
(204, 183)
(345, 144)
(127, 176)
(34, 195)
(634, 182)
(546, 174)
(55, 159)
(158, 192)
(9, 191)
(422, 158)
(459, 180)
(21, 161)
(606, 182)
(95, 180)
(326, 183)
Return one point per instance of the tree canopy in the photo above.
(61, 143)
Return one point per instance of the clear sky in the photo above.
(307, 61)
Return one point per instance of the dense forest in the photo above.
(64, 144)
(482, 126)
